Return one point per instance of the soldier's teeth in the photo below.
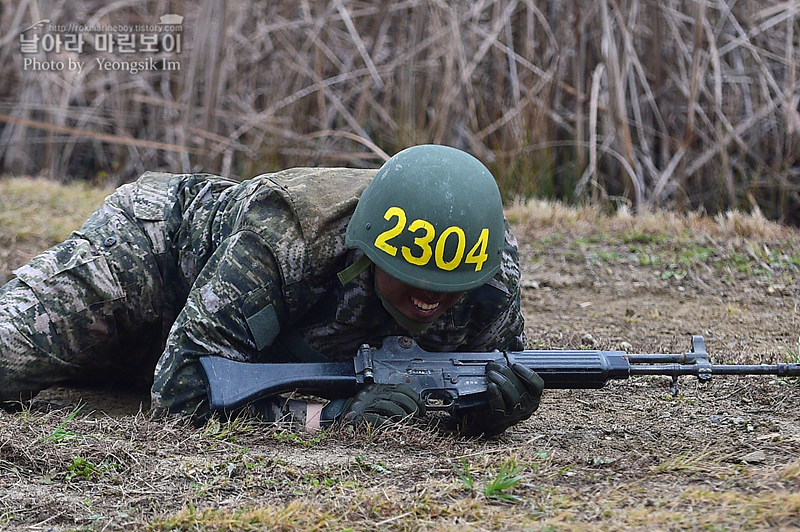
(422, 305)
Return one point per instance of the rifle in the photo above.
(454, 380)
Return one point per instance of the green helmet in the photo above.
(432, 218)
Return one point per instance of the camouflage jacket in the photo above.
(257, 265)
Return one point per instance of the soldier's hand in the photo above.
(379, 404)
(513, 394)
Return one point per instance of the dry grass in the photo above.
(545, 216)
(134, 472)
(24, 203)
(38, 213)
(650, 103)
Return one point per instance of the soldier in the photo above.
(304, 264)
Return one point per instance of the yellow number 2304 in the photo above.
(428, 245)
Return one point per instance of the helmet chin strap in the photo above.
(356, 269)
(404, 321)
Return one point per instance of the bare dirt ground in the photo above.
(718, 456)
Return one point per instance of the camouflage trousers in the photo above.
(91, 309)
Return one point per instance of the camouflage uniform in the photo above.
(180, 266)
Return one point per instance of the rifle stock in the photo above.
(232, 384)
(447, 380)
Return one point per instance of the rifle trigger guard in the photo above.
(437, 399)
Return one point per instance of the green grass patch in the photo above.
(82, 468)
(504, 479)
(61, 434)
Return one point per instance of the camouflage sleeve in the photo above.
(506, 332)
(506, 329)
(231, 311)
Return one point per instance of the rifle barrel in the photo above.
(781, 370)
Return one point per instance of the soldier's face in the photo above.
(415, 303)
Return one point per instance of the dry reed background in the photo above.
(676, 103)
